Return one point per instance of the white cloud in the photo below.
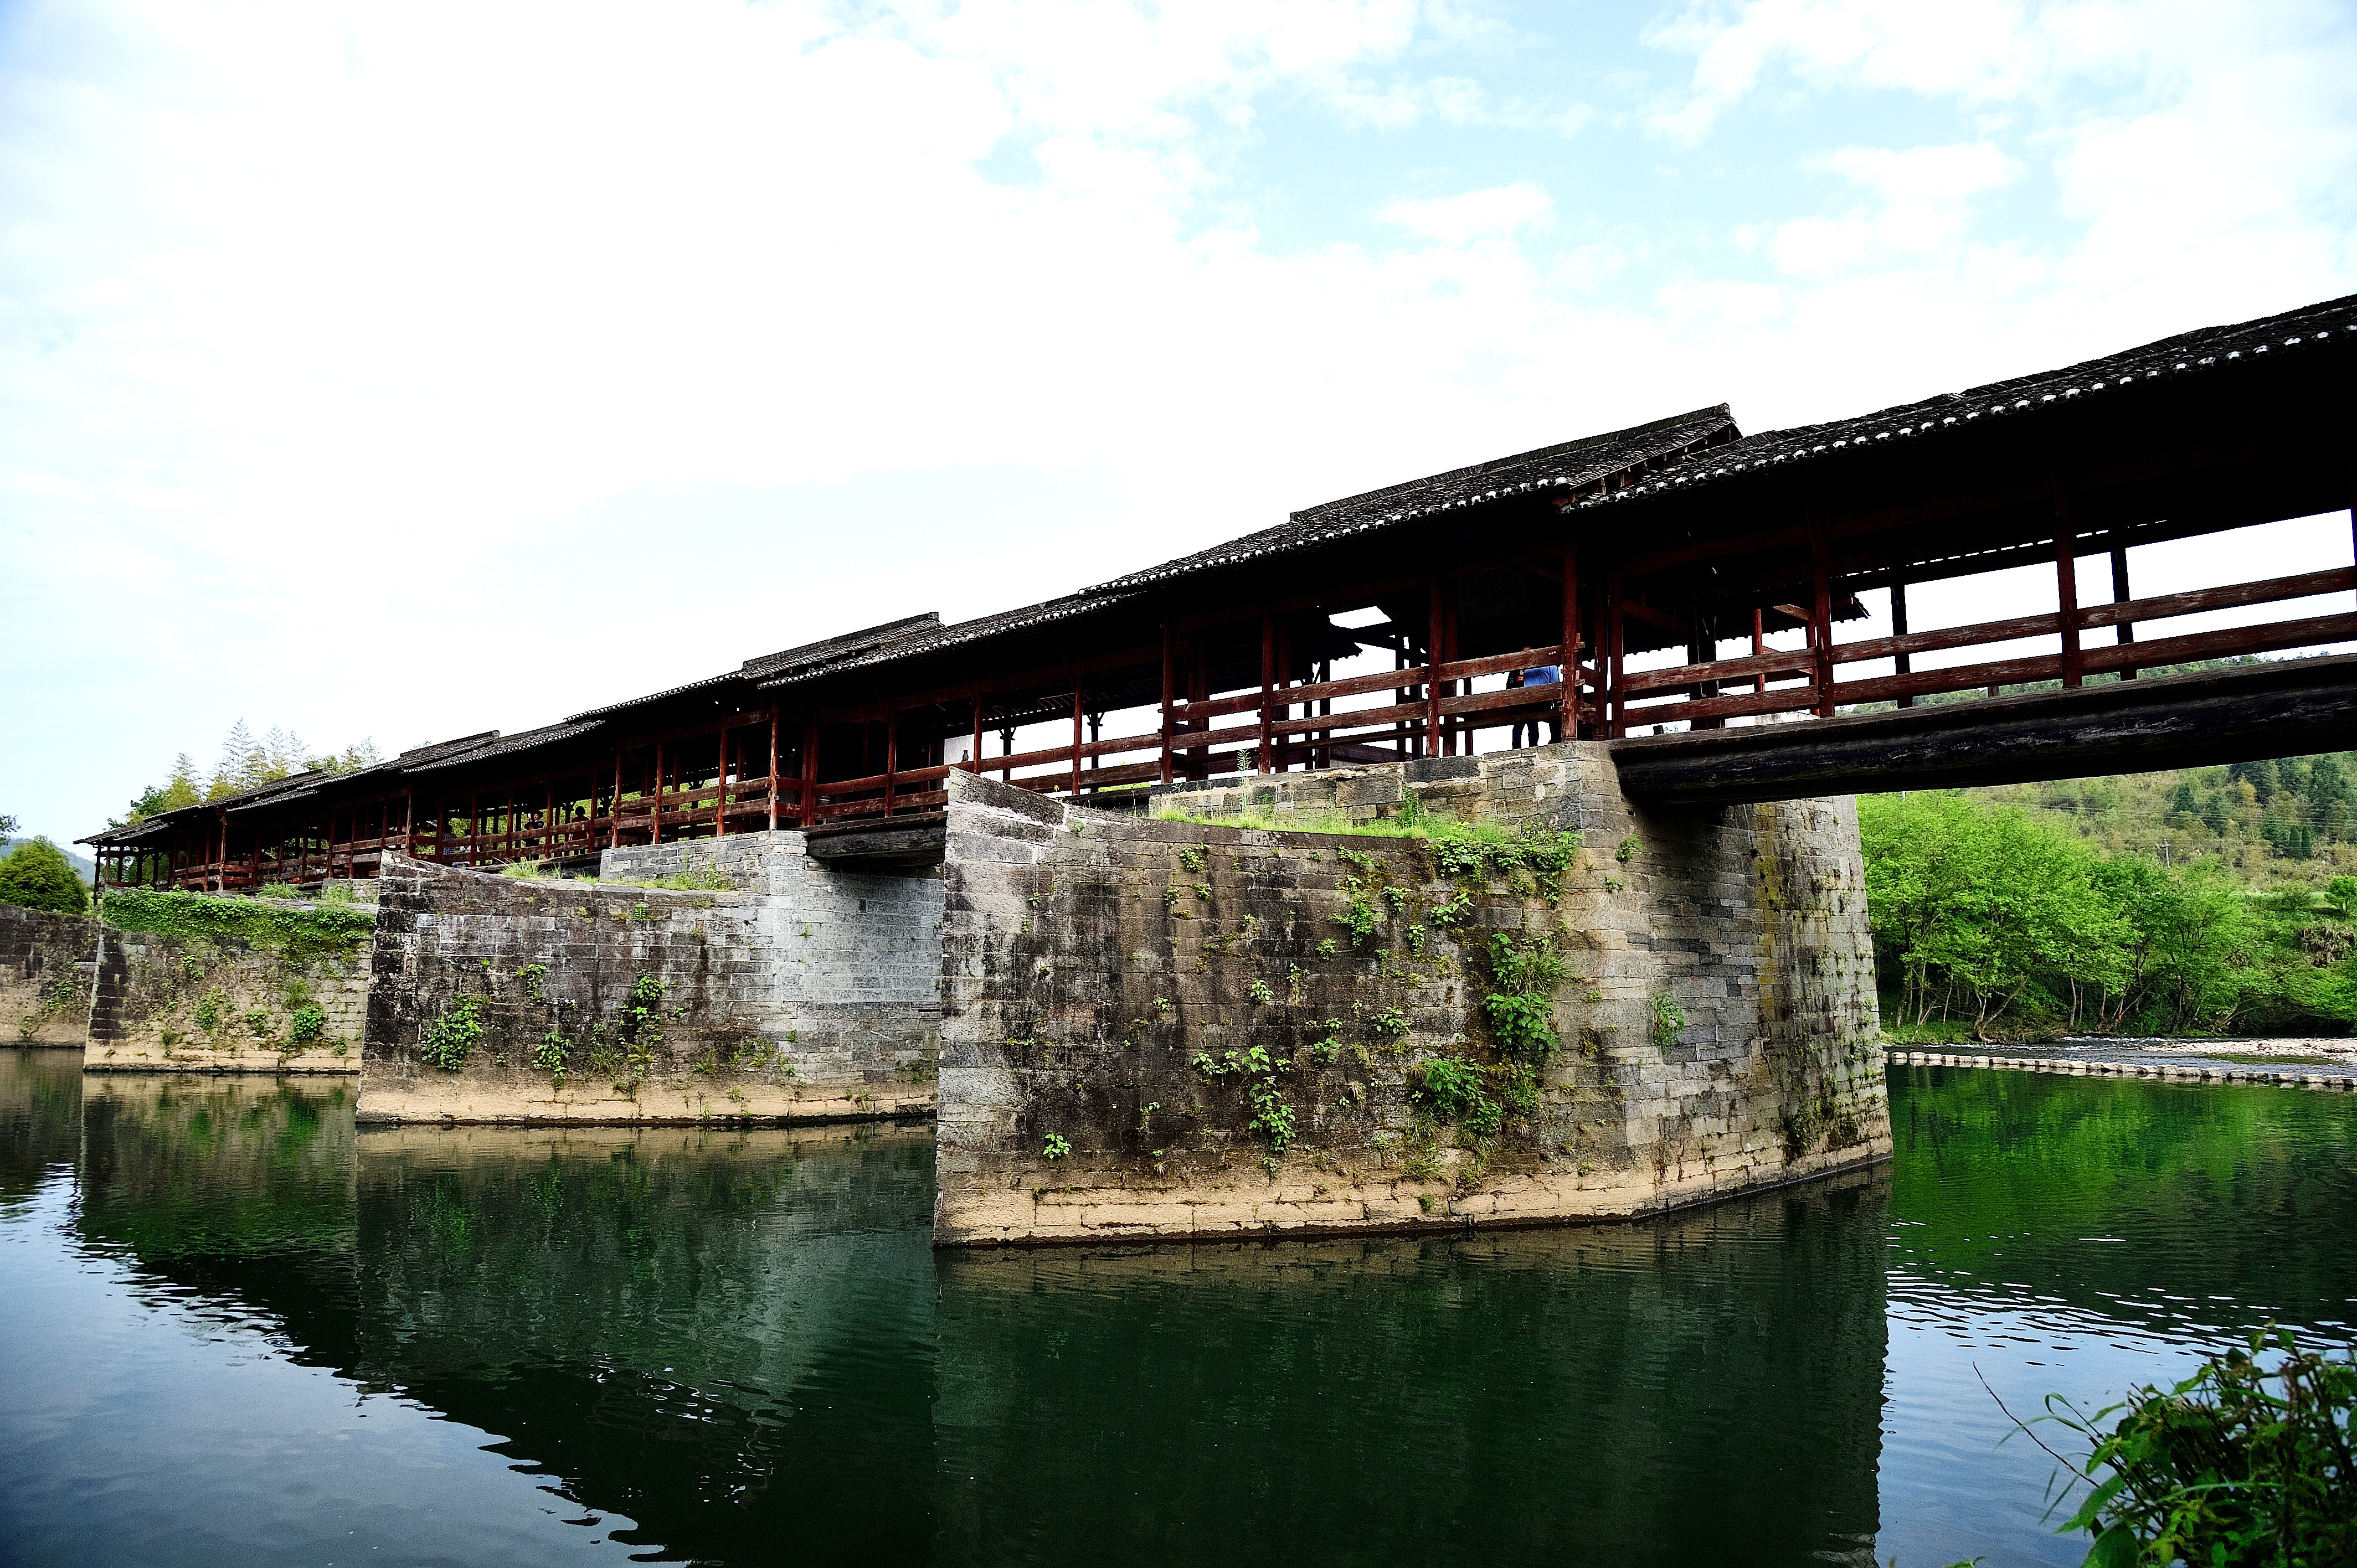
(1475, 215)
(1921, 205)
(423, 370)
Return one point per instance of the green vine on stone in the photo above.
(1521, 1009)
(1668, 1019)
(1271, 1117)
(458, 1031)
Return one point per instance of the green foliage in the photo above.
(531, 974)
(1483, 850)
(552, 1054)
(1271, 1117)
(1056, 1147)
(1669, 1018)
(2246, 1462)
(277, 890)
(449, 1039)
(308, 1023)
(1260, 993)
(1630, 848)
(300, 934)
(2342, 893)
(522, 870)
(2006, 918)
(1391, 1023)
(1453, 1088)
(36, 875)
(1520, 1006)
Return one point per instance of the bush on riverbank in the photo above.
(2247, 1462)
(1990, 920)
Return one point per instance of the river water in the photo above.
(233, 1330)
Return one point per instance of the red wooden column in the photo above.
(1570, 695)
(2127, 633)
(773, 770)
(1079, 719)
(654, 815)
(974, 762)
(891, 759)
(1616, 633)
(1267, 688)
(1900, 663)
(1167, 681)
(720, 790)
(2066, 593)
(1436, 634)
(1820, 619)
(806, 812)
(614, 806)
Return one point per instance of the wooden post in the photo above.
(1079, 721)
(1267, 686)
(614, 806)
(2066, 593)
(720, 790)
(974, 762)
(1436, 632)
(773, 770)
(1617, 724)
(1167, 676)
(1899, 664)
(891, 759)
(1820, 619)
(654, 817)
(806, 809)
(1570, 695)
(2120, 595)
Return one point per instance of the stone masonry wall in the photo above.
(794, 993)
(1101, 968)
(177, 1005)
(224, 1004)
(45, 976)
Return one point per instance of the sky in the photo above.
(407, 371)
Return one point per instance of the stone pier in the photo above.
(1158, 1028)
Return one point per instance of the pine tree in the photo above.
(236, 763)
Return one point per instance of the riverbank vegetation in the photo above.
(1992, 919)
(2247, 1461)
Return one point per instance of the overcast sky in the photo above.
(412, 369)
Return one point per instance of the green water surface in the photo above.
(238, 1330)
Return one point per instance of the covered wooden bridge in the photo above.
(1683, 576)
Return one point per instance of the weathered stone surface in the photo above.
(45, 976)
(799, 994)
(221, 1004)
(1094, 964)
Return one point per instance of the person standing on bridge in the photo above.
(1537, 675)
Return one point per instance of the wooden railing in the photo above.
(2069, 664)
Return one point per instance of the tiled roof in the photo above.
(810, 654)
(2209, 351)
(946, 637)
(497, 745)
(1568, 466)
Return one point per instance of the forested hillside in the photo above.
(2263, 824)
(2213, 901)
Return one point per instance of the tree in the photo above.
(7, 826)
(36, 875)
(2342, 893)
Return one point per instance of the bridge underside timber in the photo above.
(2284, 709)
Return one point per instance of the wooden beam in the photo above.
(2283, 708)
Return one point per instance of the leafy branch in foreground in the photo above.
(2246, 1462)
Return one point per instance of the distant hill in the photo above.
(2266, 824)
(84, 868)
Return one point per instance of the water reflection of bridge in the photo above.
(745, 1343)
